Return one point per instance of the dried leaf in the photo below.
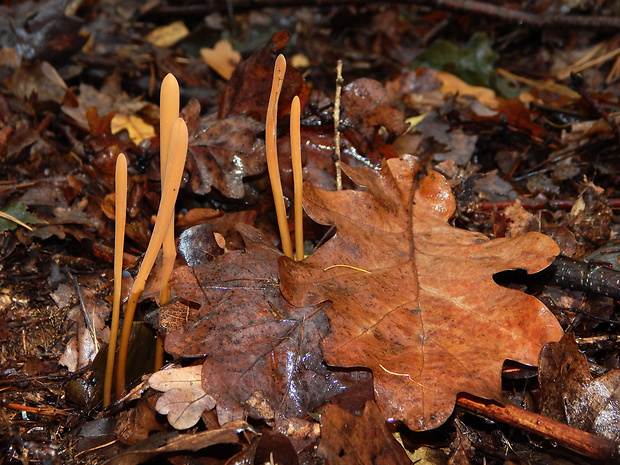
(247, 91)
(349, 439)
(136, 127)
(222, 58)
(162, 443)
(168, 35)
(223, 152)
(413, 298)
(183, 400)
(262, 354)
(570, 394)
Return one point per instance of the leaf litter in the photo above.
(551, 149)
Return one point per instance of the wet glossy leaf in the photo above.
(262, 354)
(414, 298)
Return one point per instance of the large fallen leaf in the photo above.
(414, 298)
(262, 354)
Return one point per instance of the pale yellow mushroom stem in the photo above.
(297, 177)
(271, 143)
(172, 174)
(120, 217)
(169, 103)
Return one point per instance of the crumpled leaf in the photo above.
(569, 393)
(351, 439)
(167, 442)
(222, 152)
(183, 400)
(136, 127)
(247, 91)
(414, 298)
(262, 354)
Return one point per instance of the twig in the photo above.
(566, 273)
(337, 125)
(572, 438)
(531, 19)
(471, 6)
(89, 323)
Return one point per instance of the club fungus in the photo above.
(169, 103)
(177, 151)
(120, 216)
(271, 129)
(297, 177)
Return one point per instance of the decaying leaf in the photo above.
(571, 395)
(162, 443)
(351, 439)
(413, 298)
(223, 152)
(183, 400)
(247, 91)
(262, 354)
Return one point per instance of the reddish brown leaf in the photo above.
(349, 439)
(222, 152)
(247, 91)
(413, 298)
(262, 354)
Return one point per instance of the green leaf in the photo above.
(474, 63)
(19, 212)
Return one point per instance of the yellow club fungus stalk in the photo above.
(172, 175)
(169, 103)
(297, 177)
(271, 129)
(120, 217)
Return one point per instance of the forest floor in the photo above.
(518, 111)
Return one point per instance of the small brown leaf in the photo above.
(247, 91)
(223, 152)
(183, 400)
(349, 439)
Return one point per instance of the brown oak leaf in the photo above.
(413, 298)
(262, 354)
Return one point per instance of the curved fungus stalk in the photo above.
(120, 217)
(272, 154)
(297, 177)
(169, 104)
(172, 174)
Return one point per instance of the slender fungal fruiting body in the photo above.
(120, 217)
(172, 174)
(297, 177)
(272, 154)
(169, 104)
